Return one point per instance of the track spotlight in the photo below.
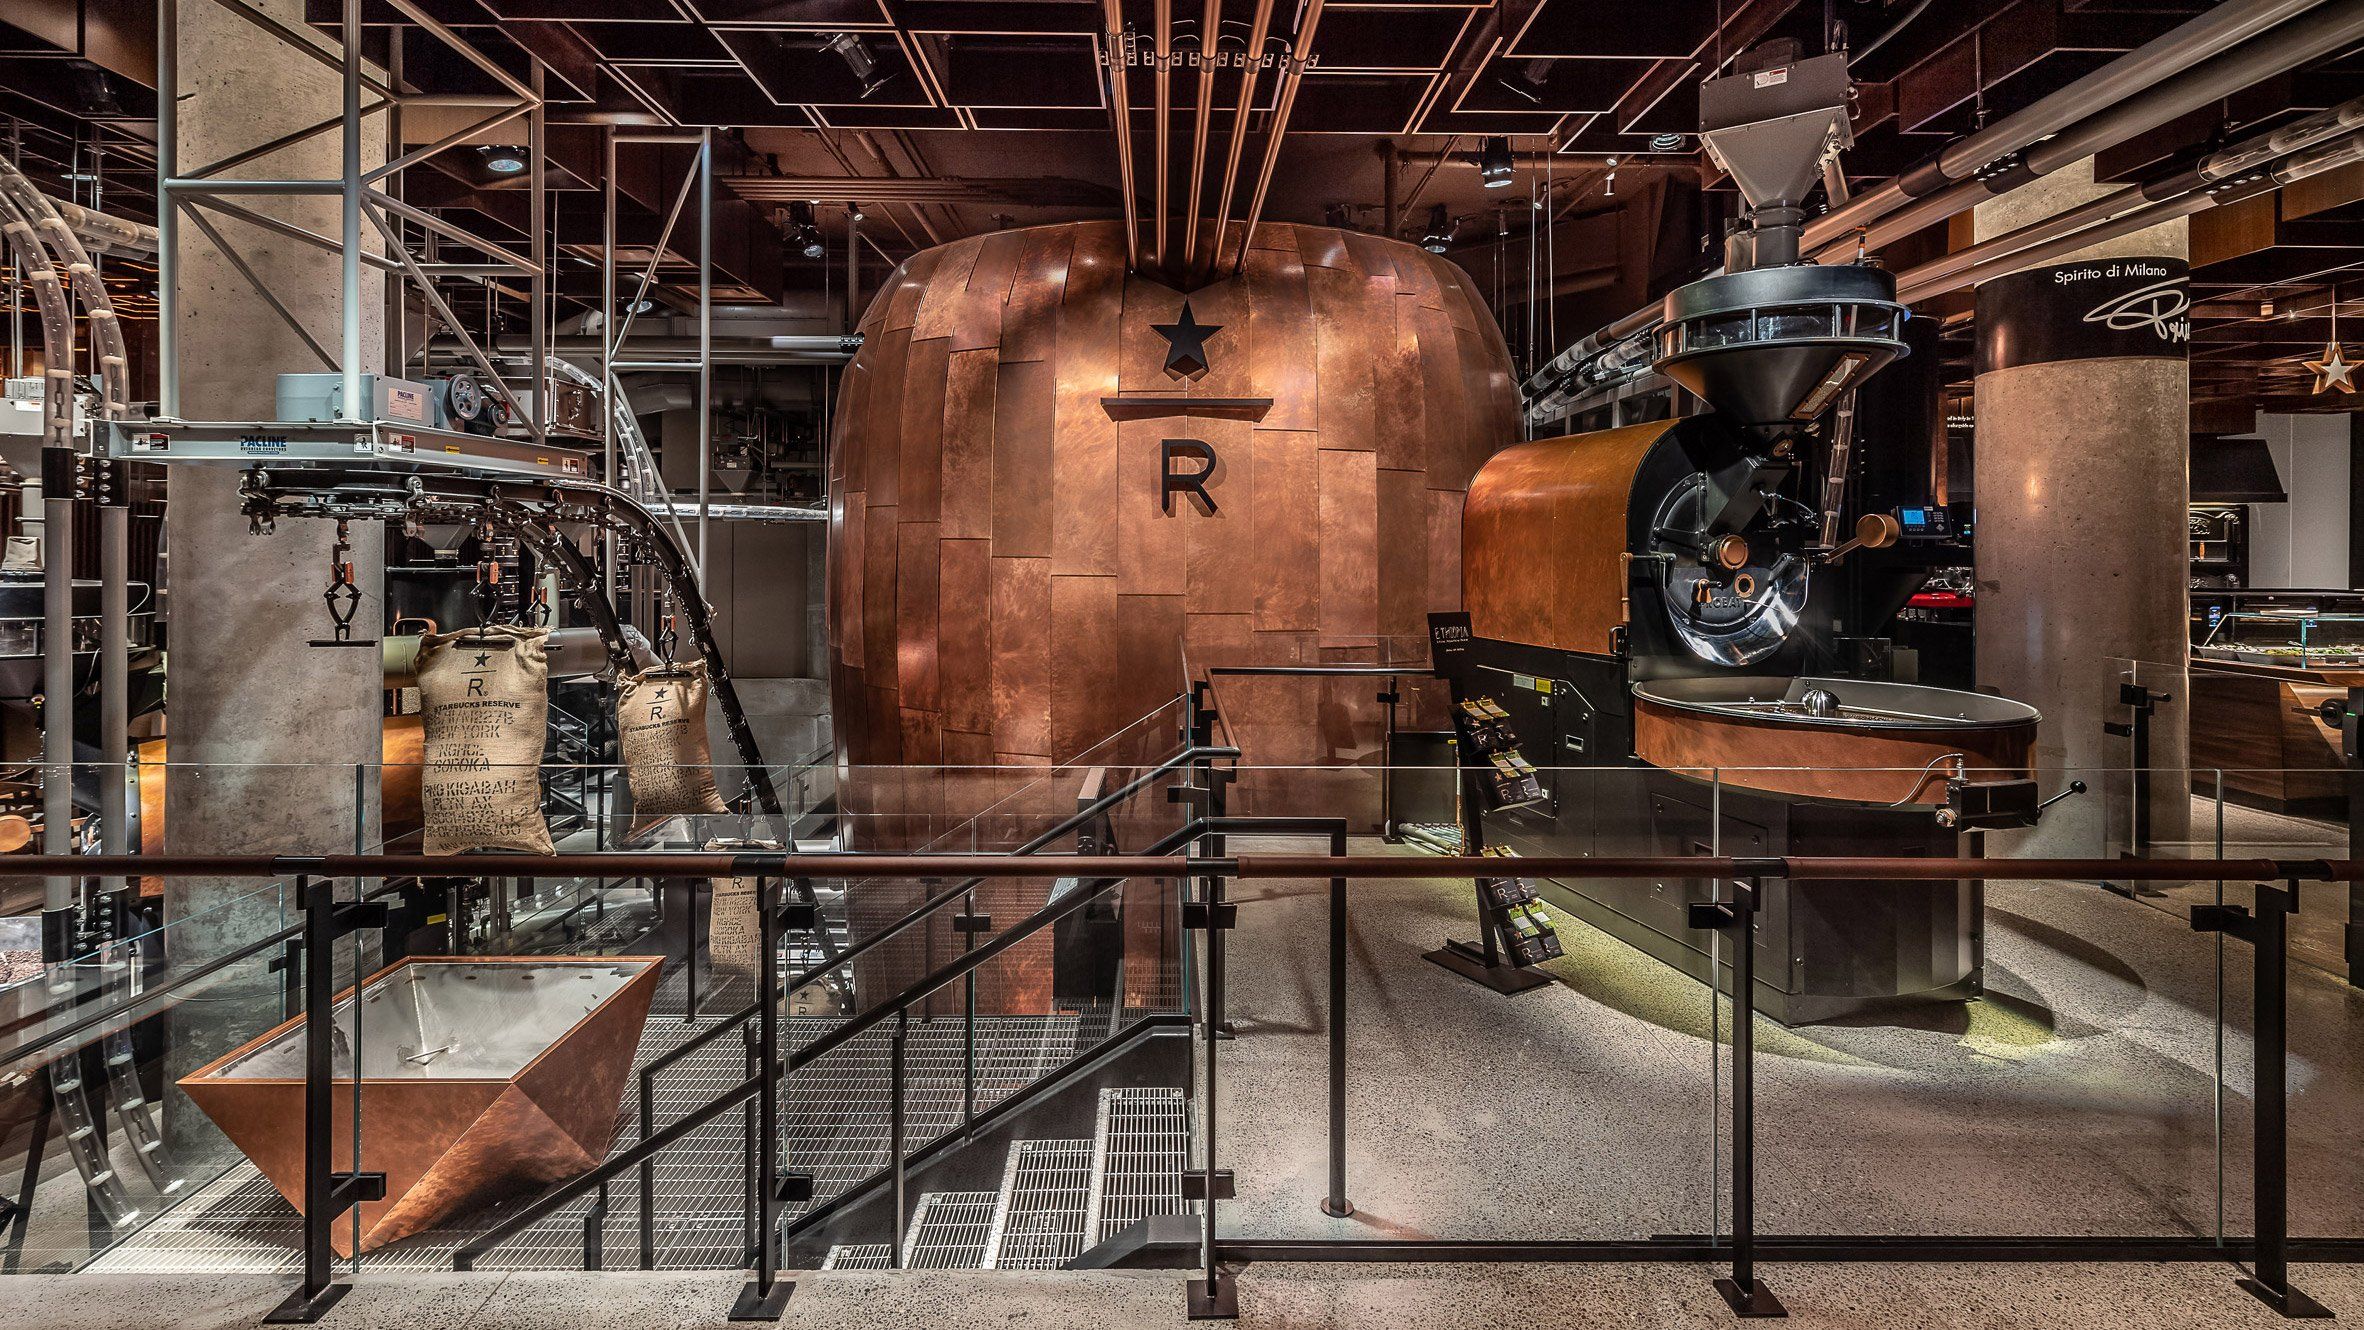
(503, 160)
(858, 61)
(1440, 231)
(803, 232)
(1495, 164)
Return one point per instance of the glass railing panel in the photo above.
(123, 1162)
(2067, 1086)
(1580, 1108)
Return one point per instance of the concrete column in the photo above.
(264, 731)
(2082, 480)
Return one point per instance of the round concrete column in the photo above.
(264, 730)
(2083, 406)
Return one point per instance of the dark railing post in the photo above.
(766, 1296)
(2267, 930)
(751, 1065)
(1737, 920)
(968, 1015)
(898, 1051)
(328, 1194)
(689, 955)
(1389, 699)
(1747, 1294)
(1214, 1296)
(648, 1170)
(1336, 1205)
(595, 1232)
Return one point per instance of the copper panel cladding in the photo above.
(521, 1091)
(1070, 619)
(1557, 504)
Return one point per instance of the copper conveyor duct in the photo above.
(1119, 96)
(1163, 80)
(1209, 26)
(1283, 104)
(1258, 30)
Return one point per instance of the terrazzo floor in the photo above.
(1271, 1297)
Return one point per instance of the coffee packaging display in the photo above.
(661, 722)
(485, 704)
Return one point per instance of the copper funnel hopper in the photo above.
(478, 1077)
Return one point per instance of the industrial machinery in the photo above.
(1662, 597)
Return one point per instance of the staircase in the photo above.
(1057, 1197)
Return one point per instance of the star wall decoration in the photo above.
(1186, 344)
(2333, 370)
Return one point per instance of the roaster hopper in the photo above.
(478, 1077)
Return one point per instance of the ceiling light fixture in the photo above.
(858, 61)
(1439, 235)
(1495, 164)
(503, 159)
(1667, 142)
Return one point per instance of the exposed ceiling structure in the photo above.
(943, 118)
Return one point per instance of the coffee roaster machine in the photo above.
(1654, 609)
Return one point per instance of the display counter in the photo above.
(2263, 669)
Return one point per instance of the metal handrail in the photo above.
(1010, 864)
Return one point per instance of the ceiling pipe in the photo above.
(2218, 30)
(1165, 116)
(1259, 30)
(1210, 22)
(2307, 38)
(1672, 161)
(2228, 164)
(1119, 96)
(1282, 107)
(1931, 280)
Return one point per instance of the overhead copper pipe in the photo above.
(1286, 102)
(1113, 12)
(1209, 24)
(1165, 106)
(1258, 30)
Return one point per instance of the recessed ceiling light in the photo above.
(1668, 142)
(503, 160)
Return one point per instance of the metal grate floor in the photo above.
(1040, 1223)
(1143, 1148)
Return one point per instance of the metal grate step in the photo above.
(1142, 1149)
(949, 1230)
(859, 1256)
(1045, 1194)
